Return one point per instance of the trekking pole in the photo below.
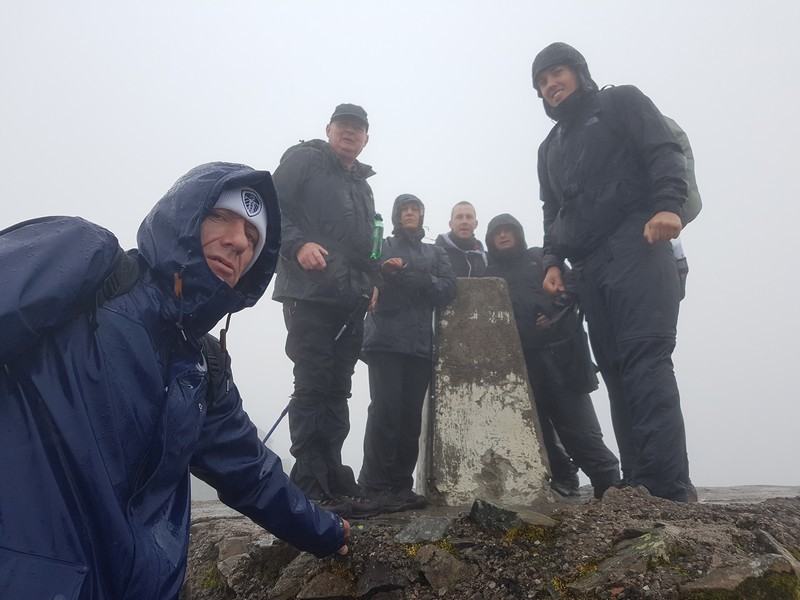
(275, 425)
(359, 312)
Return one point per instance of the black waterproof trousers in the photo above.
(562, 468)
(319, 418)
(630, 292)
(397, 386)
(573, 417)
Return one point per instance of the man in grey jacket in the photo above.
(324, 281)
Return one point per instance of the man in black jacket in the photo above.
(398, 339)
(560, 369)
(323, 280)
(612, 179)
(466, 253)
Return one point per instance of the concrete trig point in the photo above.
(480, 430)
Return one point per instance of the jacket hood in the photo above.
(360, 169)
(505, 219)
(398, 203)
(169, 242)
(559, 53)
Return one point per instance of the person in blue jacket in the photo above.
(105, 406)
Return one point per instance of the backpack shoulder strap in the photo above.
(124, 274)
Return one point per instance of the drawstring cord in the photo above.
(177, 286)
(223, 343)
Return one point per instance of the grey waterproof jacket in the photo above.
(402, 320)
(323, 202)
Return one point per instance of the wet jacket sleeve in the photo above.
(550, 208)
(437, 282)
(657, 146)
(249, 478)
(289, 179)
(51, 269)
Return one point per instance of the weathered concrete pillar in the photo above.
(480, 430)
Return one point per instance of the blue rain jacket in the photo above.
(104, 411)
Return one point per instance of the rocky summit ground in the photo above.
(627, 546)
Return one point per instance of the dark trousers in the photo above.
(562, 467)
(397, 386)
(630, 292)
(574, 419)
(319, 418)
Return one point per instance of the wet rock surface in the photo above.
(627, 546)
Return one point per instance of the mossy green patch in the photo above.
(212, 579)
(530, 534)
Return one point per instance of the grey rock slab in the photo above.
(424, 529)
(379, 577)
(232, 546)
(493, 517)
(393, 595)
(327, 586)
(441, 569)
(631, 556)
(294, 577)
(749, 573)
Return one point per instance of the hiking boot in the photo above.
(361, 507)
(565, 487)
(340, 506)
(398, 501)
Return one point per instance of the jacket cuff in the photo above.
(289, 249)
(551, 260)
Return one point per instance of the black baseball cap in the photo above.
(350, 110)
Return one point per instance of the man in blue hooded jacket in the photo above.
(105, 406)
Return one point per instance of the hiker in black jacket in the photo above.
(556, 354)
(466, 253)
(612, 180)
(323, 281)
(398, 339)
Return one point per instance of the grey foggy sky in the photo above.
(105, 104)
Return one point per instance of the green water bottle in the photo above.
(377, 237)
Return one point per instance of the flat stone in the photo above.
(393, 595)
(632, 555)
(327, 586)
(294, 577)
(531, 517)
(493, 517)
(770, 573)
(442, 570)
(232, 546)
(379, 577)
(424, 529)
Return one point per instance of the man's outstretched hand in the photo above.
(311, 257)
(662, 226)
(553, 283)
(344, 549)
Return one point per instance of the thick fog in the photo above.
(105, 104)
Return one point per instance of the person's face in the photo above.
(229, 242)
(504, 238)
(347, 137)
(410, 216)
(556, 84)
(463, 221)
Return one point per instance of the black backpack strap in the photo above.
(218, 363)
(124, 274)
